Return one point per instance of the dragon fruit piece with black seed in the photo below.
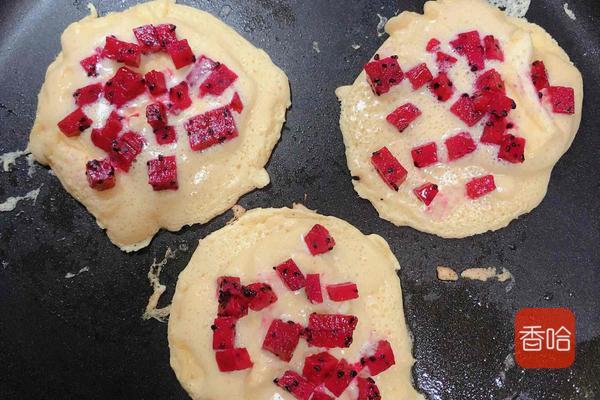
(88, 94)
(313, 290)
(236, 103)
(319, 240)
(494, 130)
(162, 173)
(424, 155)
(282, 338)
(165, 135)
(382, 359)
(127, 53)
(124, 86)
(426, 192)
(492, 48)
(468, 44)
(466, 111)
(200, 70)
(403, 116)
(90, 65)
(419, 76)
(100, 174)
(156, 115)
(223, 333)
(432, 45)
(104, 137)
(340, 378)
(181, 53)
(125, 149)
(156, 83)
(330, 330)
(318, 366)
(179, 95)
(231, 302)
(383, 74)
(389, 168)
(490, 81)
(539, 75)
(367, 389)
(211, 128)
(561, 98)
(512, 149)
(230, 360)
(460, 145)
(295, 384)
(442, 87)
(480, 186)
(444, 61)
(166, 34)
(147, 38)
(75, 123)
(291, 275)
(261, 295)
(219, 79)
(342, 291)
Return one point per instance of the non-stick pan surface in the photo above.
(84, 338)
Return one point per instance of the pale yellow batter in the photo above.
(249, 248)
(210, 181)
(520, 187)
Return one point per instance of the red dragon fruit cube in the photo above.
(148, 39)
(100, 174)
(125, 150)
(494, 130)
(88, 94)
(166, 34)
(490, 81)
(233, 360)
(181, 53)
(539, 75)
(432, 45)
(342, 291)
(426, 192)
(165, 135)
(291, 275)
(162, 173)
(389, 168)
(402, 116)
(128, 53)
(318, 240)
(295, 384)
(442, 87)
(74, 123)
(282, 338)
(424, 155)
(313, 289)
(460, 145)
(330, 330)
(444, 61)
(419, 76)
(341, 377)
(236, 103)
(231, 301)
(367, 389)
(156, 83)
(261, 295)
(217, 81)
(500, 105)
(318, 366)
(492, 48)
(468, 44)
(383, 73)
(480, 186)
(179, 95)
(223, 333)
(382, 359)
(562, 99)
(90, 64)
(200, 71)
(125, 86)
(103, 137)
(464, 109)
(512, 149)
(211, 128)
(156, 115)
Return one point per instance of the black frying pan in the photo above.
(84, 337)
